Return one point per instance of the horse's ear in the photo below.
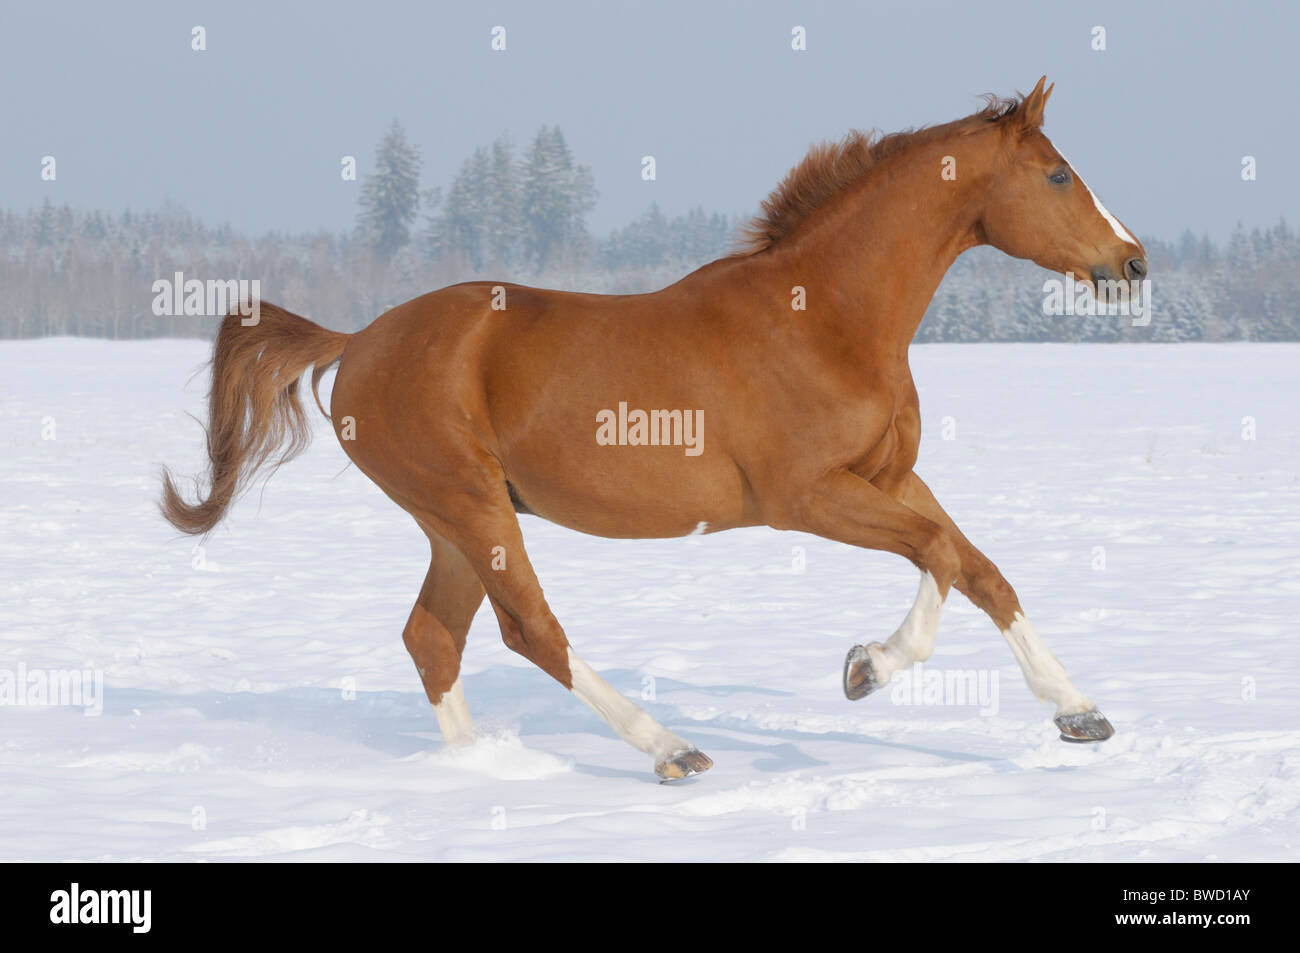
(1031, 110)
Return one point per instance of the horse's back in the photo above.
(542, 384)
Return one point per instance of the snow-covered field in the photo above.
(258, 702)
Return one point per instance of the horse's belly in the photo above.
(631, 492)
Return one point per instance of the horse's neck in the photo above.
(879, 254)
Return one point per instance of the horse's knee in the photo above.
(541, 641)
(990, 591)
(513, 636)
(939, 557)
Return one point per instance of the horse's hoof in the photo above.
(859, 674)
(1084, 727)
(683, 764)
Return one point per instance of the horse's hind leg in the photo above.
(435, 636)
(484, 527)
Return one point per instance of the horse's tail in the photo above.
(254, 409)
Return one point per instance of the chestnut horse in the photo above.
(480, 401)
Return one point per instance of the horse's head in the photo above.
(1039, 208)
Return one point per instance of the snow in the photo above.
(258, 702)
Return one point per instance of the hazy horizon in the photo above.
(252, 130)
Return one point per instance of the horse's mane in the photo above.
(829, 167)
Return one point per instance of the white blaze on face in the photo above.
(1120, 231)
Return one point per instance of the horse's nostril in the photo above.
(1135, 268)
(1102, 273)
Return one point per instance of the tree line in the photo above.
(522, 216)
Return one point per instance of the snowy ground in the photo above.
(258, 702)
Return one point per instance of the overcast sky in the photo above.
(252, 130)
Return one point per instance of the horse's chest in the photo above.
(893, 454)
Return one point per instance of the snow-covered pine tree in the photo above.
(390, 196)
(557, 194)
(502, 205)
(465, 220)
(433, 240)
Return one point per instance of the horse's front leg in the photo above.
(846, 508)
(981, 582)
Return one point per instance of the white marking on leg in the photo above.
(453, 717)
(914, 639)
(700, 529)
(1116, 226)
(1045, 676)
(630, 722)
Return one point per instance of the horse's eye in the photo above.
(1060, 177)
